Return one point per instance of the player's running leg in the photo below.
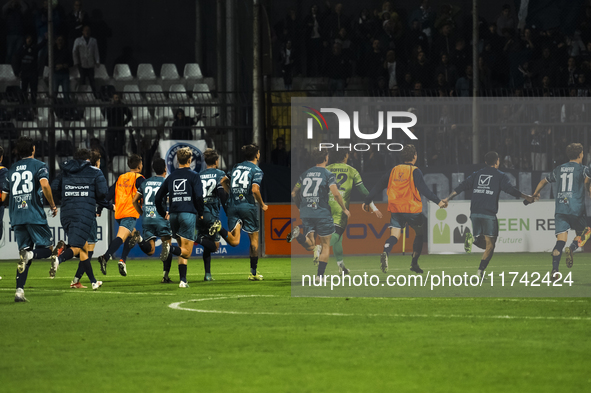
(417, 249)
(168, 251)
(122, 234)
(468, 241)
(323, 257)
(395, 234)
(583, 232)
(487, 255)
(336, 242)
(254, 257)
(561, 239)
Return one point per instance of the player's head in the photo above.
(409, 153)
(134, 161)
(492, 159)
(319, 156)
(251, 152)
(211, 157)
(184, 156)
(95, 158)
(159, 166)
(82, 154)
(574, 151)
(339, 156)
(25, 147)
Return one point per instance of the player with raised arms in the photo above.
(26, 183)
(243, 185)
(405, 185)
(317, 218)
(486, 185)
(572, 179)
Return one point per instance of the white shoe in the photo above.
(480, 273)
(183, 284)
(97, 285)
(19, 296)
(165, 251)
(317, 280)
(55, 264)
(24, 259)
(343, 270)
(317, 251)
(295, 232)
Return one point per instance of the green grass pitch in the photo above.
(231, 335)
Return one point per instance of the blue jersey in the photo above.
(25, 193)
(211, 180)
(570, 188)
(148, 190)
(242, 177)
(315, 188)
(185, 193)
(486, 186)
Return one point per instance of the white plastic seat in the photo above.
(120, 164)
(6, 73)
(93, 115)
(131, 93)
(122, 72)
(60, 133)
(155, 93)
(192, 71)
(146, 72)
(74, 73)
(101, 73)
(86, 94)
(141, 115)
(169, 72)
(163, 113)
(178, 93)
(30, 129)
(201, 93)
(79, 132)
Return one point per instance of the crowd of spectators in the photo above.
(429, 51)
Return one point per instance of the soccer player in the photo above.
(80, 187)
(317, 219)
(26, 182)
(123, 192)
(243, 185)
(153, 225)
(486, 185)
(185, 194)
(572, 179)
(209, 229)
(3, 173)
(405, 185)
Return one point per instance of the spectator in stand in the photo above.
(425, 16)
(545, 66)
(447, 15)
(343, 39)
(76, 20)
(14, 14)
(181, 127)
(525, 78)
(118, 116)
(279, 156)
(416, 37)
(316, 39)
(449, 71)
(422, 71)
(505, 20)
(288, 28)
(338, 69)
(26, 66)
(465, 84)
(337, 20)
(509, 152)
(417, 90)
(393, 69)
(582, 85)
(484, 74)
(86, 57)
(570, 75)
(575, 44)
(407, 85)
(557, 44)
(61, 71)
(495, 38)
(393, 30)
(444, 44)
(539, 147)
(365, 27)
(443, 88)
(461, 56)
(287, 64)
(373, 64)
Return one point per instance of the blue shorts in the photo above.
(483, 224)
(93, 236)
(154, 228)
(28, 236)
(77, 235)
(564, 222)
(415, 220)
(127, 222)
(248, 214)
(203, 226)
(183, 225)
(322, 226)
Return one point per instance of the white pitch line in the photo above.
(178, 306)
(91, 291)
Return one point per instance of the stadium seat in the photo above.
(131, 94)
(100, 73)
(93, 115)
(43, 116)
(119, 164)
(163, 113)
(168, 129)
(122, 72)
(85, 94)
(141, 116)
(189, 110)
(74, 73)
(178, 93)
(192, 71)
(201, 93)
(146, 72)
(7, 74)
(155, 94)
(169, 72)
(79, 133)
(30, 129)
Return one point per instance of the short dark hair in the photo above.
(134, 161)
(82, 154)
(319, 156)
(95, 156)
(211, 156)
(491, 158)
(338, 155)
(574, 150)
(159, 166)
(408, 153)
(25, 146)
(250, 152)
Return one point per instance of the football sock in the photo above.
(167, 264)
(183, 272)
(21, 278)
(90, 254)
(224, 233)
(125, 251)
(390, 243)
(336, 241)
(207, 243)
(80, 271)
(207, 261)
(175, 250)
(417, 249)
(480, 242)
(113, 247)
(322, 268)
(301, 238)
(41, 253)
(556, 258)
(573, 246)
(254, 261)
(146, 247)
(88, 269)
(66, 255)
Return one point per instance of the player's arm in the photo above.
(463, 186)
(361, 188)
(588, 185)
(48, 195)
(136, 203)
(509, 189)
(159, 198)
(539, 188)
(378, 188)
(339, 198)
(222, 195)
(424, 190)
(198, 199)
(256, 192)
(225, 182)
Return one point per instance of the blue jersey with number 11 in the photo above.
(570, 188)
(242, 177)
